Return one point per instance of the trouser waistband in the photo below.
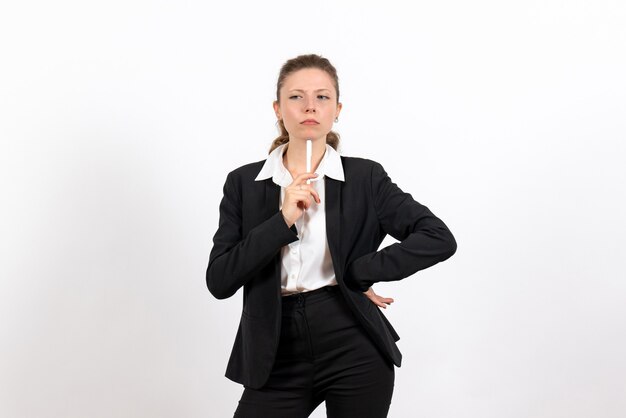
(310, 297)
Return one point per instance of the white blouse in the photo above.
(306, 262)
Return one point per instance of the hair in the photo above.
(291, 66)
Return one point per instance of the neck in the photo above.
(294, 158)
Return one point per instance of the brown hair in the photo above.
(291, 66)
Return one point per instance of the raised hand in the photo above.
(298, 197)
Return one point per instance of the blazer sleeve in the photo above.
(424, 239)
(235, 259)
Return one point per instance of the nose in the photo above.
(309, 106)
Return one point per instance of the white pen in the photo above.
(309, 152)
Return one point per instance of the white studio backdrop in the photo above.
(120, 120)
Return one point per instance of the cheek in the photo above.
(292, 115)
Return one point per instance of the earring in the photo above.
(337, 119)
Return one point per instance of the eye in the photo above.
(294, 97)
(321, 96)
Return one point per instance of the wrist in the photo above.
(287, 221)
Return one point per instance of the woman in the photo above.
(303, 245)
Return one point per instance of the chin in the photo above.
(315, 133)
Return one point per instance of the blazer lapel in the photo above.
(333, 224)
(272, 195)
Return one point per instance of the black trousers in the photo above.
(324, 354)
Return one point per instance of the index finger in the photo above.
(301, 178)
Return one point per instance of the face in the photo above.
(308, 104)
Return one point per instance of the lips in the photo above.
(310, 122)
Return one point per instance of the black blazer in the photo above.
(360, 212)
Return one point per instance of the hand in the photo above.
(298, 198)
(376, 299)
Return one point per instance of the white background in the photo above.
(119, 121)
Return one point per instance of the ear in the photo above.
(277, 109)
(339, 106)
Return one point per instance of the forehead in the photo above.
(308, 79)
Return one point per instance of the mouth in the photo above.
(310, 122)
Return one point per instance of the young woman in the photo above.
(303, 245)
